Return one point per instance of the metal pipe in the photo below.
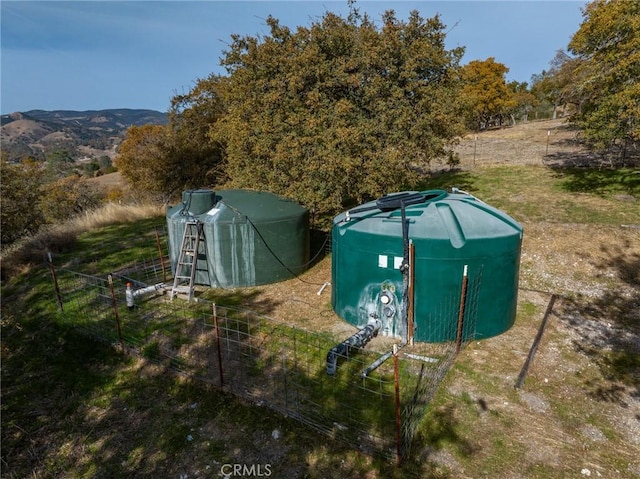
(410, 306)
(358, 340)
(378, 362)
(405, 270)
(426, 359)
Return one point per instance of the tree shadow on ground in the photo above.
(439, 429)
(608, 327)
(246, 298)
(598, 180)
(585, 158)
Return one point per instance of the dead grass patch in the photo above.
(62, 237)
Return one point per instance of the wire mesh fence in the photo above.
(268, 361)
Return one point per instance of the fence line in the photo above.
(268, 361)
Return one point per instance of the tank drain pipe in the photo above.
(458, 190)
(358, 340)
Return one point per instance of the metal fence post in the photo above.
(161, 256)
(115, 310)
(217, 334)
(396, 380)
(55, 281)
(463, 301)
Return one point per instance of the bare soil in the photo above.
(554, 143)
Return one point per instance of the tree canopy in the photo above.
(180, 155)
(20, 192)
(344, 110)
(485, 93)
(341, 111)
(607, 78)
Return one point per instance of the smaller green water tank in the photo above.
(450, 232)
(251, 237)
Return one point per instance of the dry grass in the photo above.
(113, 213)
(58, 238)
(533, 143)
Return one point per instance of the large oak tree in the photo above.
(341, 111)
(608, 75)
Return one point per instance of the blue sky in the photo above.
(89, 55)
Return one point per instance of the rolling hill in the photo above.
(83, 134)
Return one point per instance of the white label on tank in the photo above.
(383, 261)
(397, 262)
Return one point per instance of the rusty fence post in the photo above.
(396, 380)
(115, 310)
(217, 335)
(461, 309)
(55, 280)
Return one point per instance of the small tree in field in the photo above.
(485, 93)
(68, 197)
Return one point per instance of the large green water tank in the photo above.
(449, 231)
(251, 237)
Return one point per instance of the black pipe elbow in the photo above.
(358, 340)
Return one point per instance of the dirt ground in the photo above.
(549, 142)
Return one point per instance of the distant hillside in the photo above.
(83, 134)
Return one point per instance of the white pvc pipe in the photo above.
(148, 289)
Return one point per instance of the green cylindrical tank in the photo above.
(251, 238)
(450, 232)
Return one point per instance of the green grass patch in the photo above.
(115, 246)
(603, 182)
(537, 193)
(527, 310)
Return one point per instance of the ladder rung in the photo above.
(182, 289)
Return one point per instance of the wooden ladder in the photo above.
(187, 266)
